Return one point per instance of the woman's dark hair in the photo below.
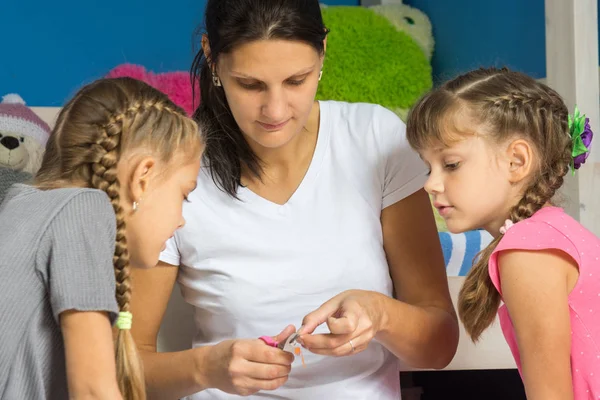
(231, 23)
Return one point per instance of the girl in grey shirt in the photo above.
(117, 168)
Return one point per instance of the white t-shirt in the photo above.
(250, 267)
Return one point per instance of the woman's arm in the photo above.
(420, 327)
(535, 291)
(168, 375)
(90, 355)
(240, 367)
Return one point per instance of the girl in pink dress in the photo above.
(498, 145)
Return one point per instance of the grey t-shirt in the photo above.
(8, 177)
(56, 250)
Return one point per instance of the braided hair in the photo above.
(507, 103)
(104, 121)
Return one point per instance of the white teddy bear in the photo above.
(23, 137)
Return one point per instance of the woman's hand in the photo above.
(242, 367)
(418, 325)
(246, 366)
(353, 317)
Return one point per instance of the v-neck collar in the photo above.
(260, 203)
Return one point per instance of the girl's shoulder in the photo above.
(551, 228)
(41, 207)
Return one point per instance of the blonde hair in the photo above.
(104, 121)
(504, 104)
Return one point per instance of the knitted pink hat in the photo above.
(16, 117)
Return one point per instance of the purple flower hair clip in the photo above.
(581, 137)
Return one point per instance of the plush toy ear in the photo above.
(36, 153)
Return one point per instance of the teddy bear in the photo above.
(175, 84)
(23, 137)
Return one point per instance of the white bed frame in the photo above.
(572, 65)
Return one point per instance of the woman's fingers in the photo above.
(337, 345)
(249, 386)
(312, 320)
(346, 323)
(262, 371)
(284, 334)
(256, 351)
(245, 366)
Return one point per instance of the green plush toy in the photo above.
(378, 54)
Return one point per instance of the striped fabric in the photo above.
(460, 248)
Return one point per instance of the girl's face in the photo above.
(270, 86)
(470, 183)
(160, 195)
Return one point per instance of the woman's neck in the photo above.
(294, 154)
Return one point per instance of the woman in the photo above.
(306, 211)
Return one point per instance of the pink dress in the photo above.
(552, 228)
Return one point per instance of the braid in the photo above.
(129, 366)
(105, 178)
(539, 193)
(519, 102)
(544, 111)
(138, 108)
(478, 299)
(510, 104)
(106, 120)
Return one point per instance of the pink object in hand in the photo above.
(269, 340)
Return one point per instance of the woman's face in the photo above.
(270, 86)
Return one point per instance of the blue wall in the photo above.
(472, 33)
(51, 48)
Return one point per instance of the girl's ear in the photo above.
(520, 160)
(140, 176)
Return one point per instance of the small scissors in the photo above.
(290, 345)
